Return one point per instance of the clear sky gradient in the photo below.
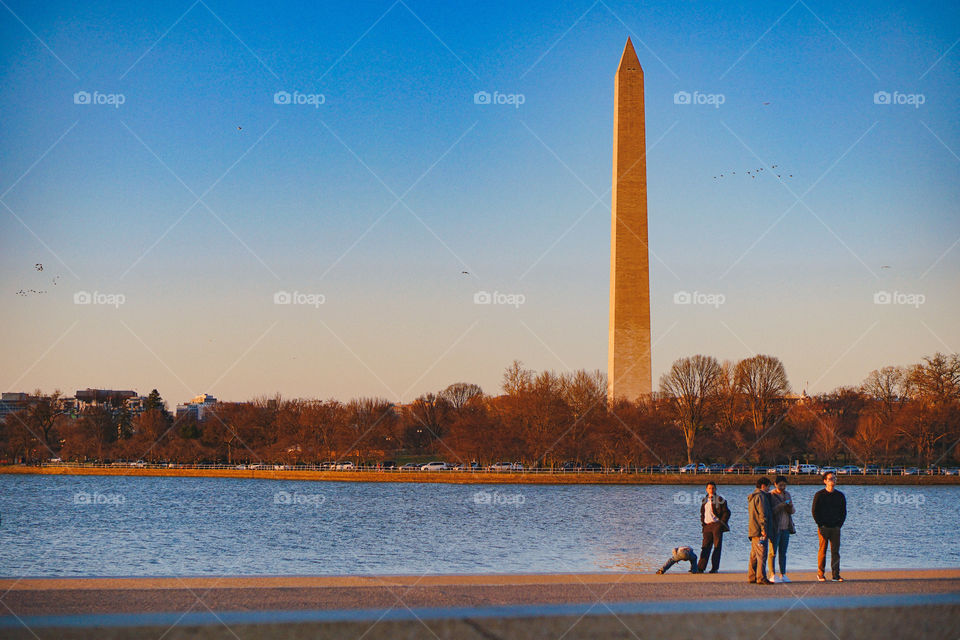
(199, 197)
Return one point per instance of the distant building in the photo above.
(794, 398)
(97, 397)
(197, 407)
(11, 402)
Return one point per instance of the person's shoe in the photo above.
(714, 571)
(763, 581)
(784, 578)
(659, 572)
(821, 577)
(837, 579)
(776, 579)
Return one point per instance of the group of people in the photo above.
(770, 512)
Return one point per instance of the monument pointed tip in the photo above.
(629, 60)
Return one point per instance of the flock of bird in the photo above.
(26, 292)
(755, 172)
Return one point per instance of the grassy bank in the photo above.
(467, 477)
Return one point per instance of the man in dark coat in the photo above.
(714, 515)
(829, 512)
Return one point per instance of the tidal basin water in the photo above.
(130, 526)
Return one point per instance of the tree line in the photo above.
(704, 411)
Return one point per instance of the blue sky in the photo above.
(199, 197)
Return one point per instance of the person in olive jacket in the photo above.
(714, 515)
(829, 512)
(760, 527)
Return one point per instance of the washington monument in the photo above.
(628, 366)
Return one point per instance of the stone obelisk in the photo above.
(628, 366)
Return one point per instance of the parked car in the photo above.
(435, 466)
(911, 471)
(807, 468)
(411, 466)
(715, 467)
(737, 468)
(501, 466)
(668, 468)
(952, 471)
(871, 470)
(570, 466)
(388, 464)
(849, 470)
(824, 470)
(697, 467)
(464, 466)
(593, 467)
(345, 465)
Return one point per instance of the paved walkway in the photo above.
(870, 604)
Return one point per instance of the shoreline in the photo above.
(869, 605)
(476, 477)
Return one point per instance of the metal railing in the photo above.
(349, 467)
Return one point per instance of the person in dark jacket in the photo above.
(829, 512)
(714, 515)
(680, 554)
(760, 526)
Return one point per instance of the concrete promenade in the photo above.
(870, 604)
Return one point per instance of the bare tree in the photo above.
(762, 380)
(516, 379)
(459, 394)
(938, 377)
(692, 386)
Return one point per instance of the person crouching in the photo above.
(680, 554)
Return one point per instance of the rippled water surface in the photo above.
(114, 525)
